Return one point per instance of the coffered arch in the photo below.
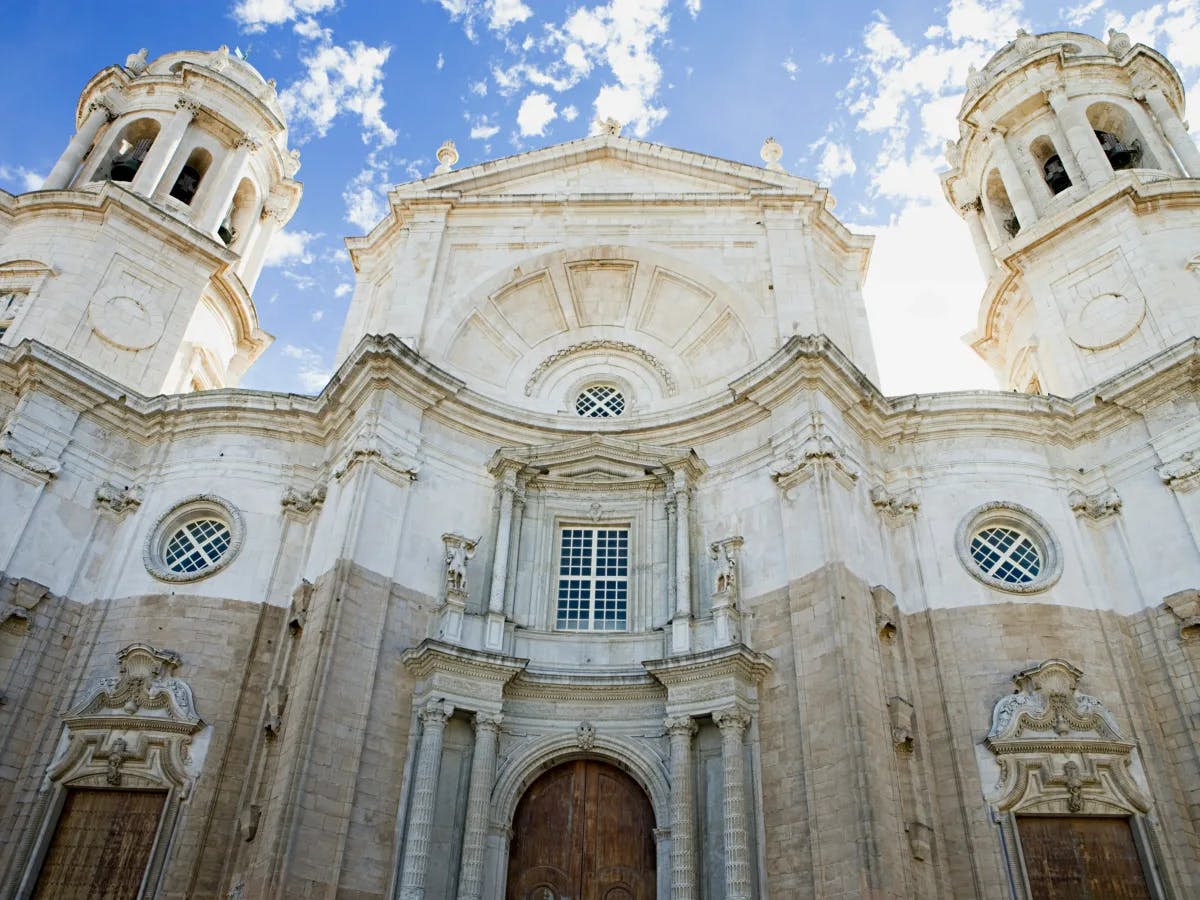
(662, 325)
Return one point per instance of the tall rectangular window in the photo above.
(593, 579)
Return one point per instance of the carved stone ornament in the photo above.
(298, 613)
(900, 712)
(1059, 750)
(818, 451)
(248, 821)
(1118, 43)
(136, 62)
(31, 459)
(886, 614)
(771, 153)
(119, 500)
(725, 572)
(1024, 42)
(18, 598)
(896, 508)
(458, 550)
(600, 344)
(1186, 607)
(1098, 507)
(920, 839)
(1179, 474)
(273, 720)
(608, 126)
(371, 449)
(585, 735)
(975, 79)
(447, 156)
(303, 502)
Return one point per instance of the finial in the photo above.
(771, 153)
(975, 78)
(447, 156)
(1118, 42)
(1026, 42)
(608, 126)
(136, 62)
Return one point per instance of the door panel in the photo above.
(1081, 858)
(101, 845)
(583, 831)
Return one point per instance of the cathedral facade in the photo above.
(601, 568)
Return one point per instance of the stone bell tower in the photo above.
(138, 255)
(1081, 187)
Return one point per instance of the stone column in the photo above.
(1081, 137)
(1172, 127)
(514, 546)
(732, 723)
(1014, 184)
(272, 218)
(162, 151)
(420, 817)
(479, 802)
(222, 185)
(972, 213)
(683, 811)
(60, 176)
(494, 629)
(681, 624)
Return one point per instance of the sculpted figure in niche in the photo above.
(458, 551)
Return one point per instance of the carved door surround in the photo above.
(1060, 753)
(133, 731)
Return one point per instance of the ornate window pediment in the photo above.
(597, 462)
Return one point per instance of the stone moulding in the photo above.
(668, 380)
(119, 500)
(183, 511)
(1098, 507)
(1000, 512)
(1186, 607)
(1181, 473)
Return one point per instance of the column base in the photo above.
(493, 632)
(681, 635)
(450, 624)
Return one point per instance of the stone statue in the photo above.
(458, 551)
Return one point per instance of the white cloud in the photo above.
(479, 88)
(21, 179)
(1077, 15)
(570, 113)
(256, 15)
(311, 371)
(441, 62)
(836, 160)
(791, 67)
(506, 13)
(290, 247)
(1173, 28)
(318, 315)
(366, 194)
(693, 7)
(339, 79)
(500, 15)
(343, 289)
(482, 129)
(536, 112)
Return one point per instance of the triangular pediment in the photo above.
(606, 164)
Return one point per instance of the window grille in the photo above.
(593, 579)
(600, 401)
(197, 545)
(1006, 554)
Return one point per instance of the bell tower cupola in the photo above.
(152, 227)
(1081, 187)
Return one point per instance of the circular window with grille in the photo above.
(600, 401)
(195, 539)
(1007, 546)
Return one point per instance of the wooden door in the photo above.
(101, 845)
(583, 831)
(1081, 858)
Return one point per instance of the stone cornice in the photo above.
(435, 656)
(740, 662)
(571, 687)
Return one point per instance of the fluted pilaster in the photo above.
(683, 809)
(420, 817)
(732, 723)
(479, 795)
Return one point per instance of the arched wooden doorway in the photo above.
(583, 831)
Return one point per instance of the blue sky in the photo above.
(863, 102)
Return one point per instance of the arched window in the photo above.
(1054, 173)
(190, 176)
(1119, 138)
(127, 152)
(999, 206)
(244, 209)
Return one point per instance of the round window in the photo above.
(1007, 546)
(600, 401)
(193, 540)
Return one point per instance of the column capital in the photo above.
(971, 206)
(105, 104)
(436, 712)
(189, 106)
(1056, 95)
(680, 725)
(247, 142)
(488, 721)
(732, 718)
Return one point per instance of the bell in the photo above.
(1119, 156)
(1056, 175)
(186, 184)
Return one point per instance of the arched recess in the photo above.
(20, 280)
(557, 317)
(127, 151)
(995, 196)
(1062, 759)
(187, 182)
(235, 229)
(137, 731)
(527, 762)
(1124, 145)
(1050, 164)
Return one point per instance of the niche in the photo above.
(1054, 173)
(128, 151)
(190, 176)
(1119, 138)
(999, 206)
(235, 227)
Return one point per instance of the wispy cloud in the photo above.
(536, 112)
(256, 15)
(289, 248)
(21, 179)
(312, 372)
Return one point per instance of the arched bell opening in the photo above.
(190, 176)
(1124, 146)
(127, 152)
(1054, 173)
(999, 207)
(234, 230)
(583, 822)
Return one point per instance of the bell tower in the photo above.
(1081, 187)
(138, 255)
